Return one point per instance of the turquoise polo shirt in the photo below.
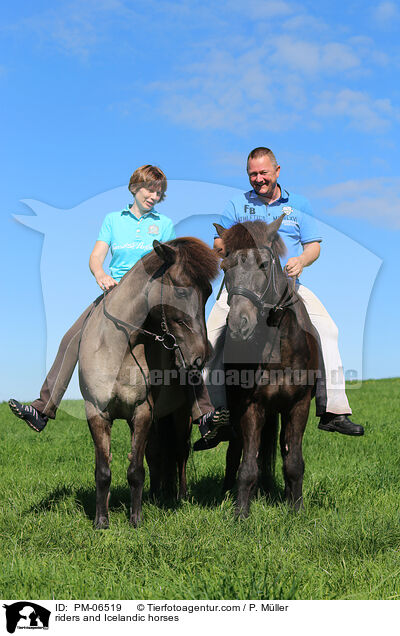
(298, 226)
(130, 238)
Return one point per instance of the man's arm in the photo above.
(296, 264)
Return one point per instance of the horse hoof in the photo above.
(101, 523)
(135, 519)
(241, 513)
(134, 522)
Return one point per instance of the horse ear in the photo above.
(220, 230)
(165, 252)
(275, 225)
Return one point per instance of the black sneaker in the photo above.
(339, 424)
(29, 414)
(210, 422)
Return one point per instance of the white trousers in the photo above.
(332, 399)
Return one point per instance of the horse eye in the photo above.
(181, 292)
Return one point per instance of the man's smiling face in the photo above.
(263, 176)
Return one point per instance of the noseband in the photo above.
(259, 299)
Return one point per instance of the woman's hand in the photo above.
(105, 282)
(96, 260)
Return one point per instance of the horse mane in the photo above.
(251, 235)
(199, 262)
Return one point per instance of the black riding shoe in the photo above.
(339, 424)
(223, 434)
(210, 422)
(29, 414)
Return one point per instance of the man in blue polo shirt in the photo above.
(266, 201)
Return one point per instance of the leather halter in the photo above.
(258, 299)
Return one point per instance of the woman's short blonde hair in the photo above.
(149, 177)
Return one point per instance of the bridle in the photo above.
(167, 339)
(259, 299)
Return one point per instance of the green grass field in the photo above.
(344, 545)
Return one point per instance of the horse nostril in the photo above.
(244, 322)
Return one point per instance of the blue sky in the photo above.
(93, 89)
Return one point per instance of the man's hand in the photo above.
(219, 247)
(294, 266)
(105, 282)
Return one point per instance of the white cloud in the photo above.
(271, 86)
(309, 57)
(359, 109)
(232, 92)
(237, 74)
(385, 13)
(376, 200)
(305, 23)
(74, 27)
(262, 9)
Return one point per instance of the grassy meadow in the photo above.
(344, 545)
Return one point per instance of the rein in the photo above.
(258, 299)
(167, 339)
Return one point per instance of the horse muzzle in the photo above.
(241, 326)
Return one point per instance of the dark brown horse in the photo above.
(146, 330)
(272, 347)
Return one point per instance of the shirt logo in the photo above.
(287, 210)
(248, 209)
(153, 229)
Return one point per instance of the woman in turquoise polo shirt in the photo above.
(129, 234)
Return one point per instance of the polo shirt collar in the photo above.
(153, 213)
(282, 199)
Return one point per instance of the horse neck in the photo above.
(129, 300)
(280, 289)
(286, 295)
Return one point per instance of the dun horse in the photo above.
(151, 323)
(271, 339)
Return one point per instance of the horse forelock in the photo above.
(196, 260)
(252, 235)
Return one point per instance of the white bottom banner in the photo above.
(176, 617)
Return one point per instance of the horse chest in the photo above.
(278, 386)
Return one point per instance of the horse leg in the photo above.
(140, 430)
(100, 429)
(161, 458)
(233, 457)
(267, 454)
(251, 424)
(293, 425)
(183, 428)
(154, 459)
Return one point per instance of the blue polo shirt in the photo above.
(298, 226)
(131, 238)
